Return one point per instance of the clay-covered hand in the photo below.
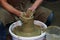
(29, 13)
(22, 17)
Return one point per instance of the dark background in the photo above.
(55, 7)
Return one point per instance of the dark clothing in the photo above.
(2, 31)
(20, 4)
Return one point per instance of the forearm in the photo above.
(36, 4)
(10, 8)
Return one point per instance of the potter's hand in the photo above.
(29, 13)
(22, 17)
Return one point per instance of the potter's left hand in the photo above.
(29, 12)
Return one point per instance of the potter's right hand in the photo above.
(21, 16)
